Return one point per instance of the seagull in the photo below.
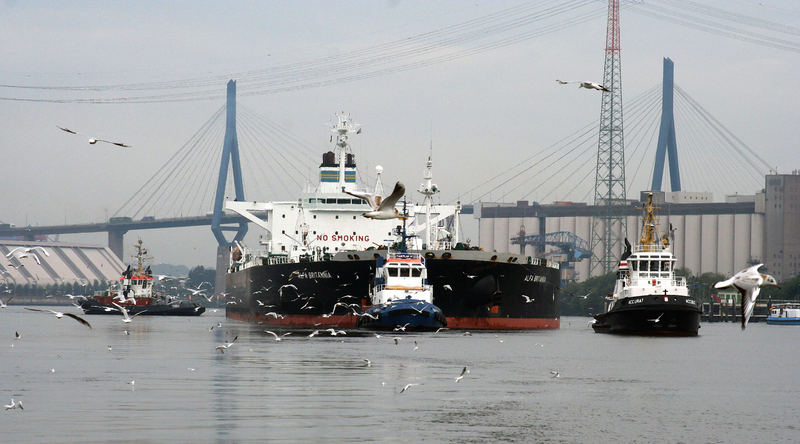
(397, 340)
(60, 315)
(586, 84)
(93, 140)
(277, 338)
(748, 282)
(408, 386)
(14, 405)
(5, 304)
(125, 317)
(367, 363)
(275, 315)
(382, 208)
(464, 371)
(23, 252)
(227, 345)
(466, 333)
(440, 329)
(527, 299)
(416, 346)
(656, 320)
(585, 295)
(402, 328)
(17, 335)
(555, 374)
(447, 287)
(313, 333)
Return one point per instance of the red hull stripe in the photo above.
(309, 321)
(504, 323)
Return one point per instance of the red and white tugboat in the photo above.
(135, 292)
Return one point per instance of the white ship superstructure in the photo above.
(327, 220)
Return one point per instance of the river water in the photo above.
(724, 386)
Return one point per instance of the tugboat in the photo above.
(401, 297)
(648, 298)
(135, 292)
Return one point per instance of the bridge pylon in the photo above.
(230, 161)
(666, 134)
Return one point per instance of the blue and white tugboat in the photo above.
(784, 314)
(401, 297)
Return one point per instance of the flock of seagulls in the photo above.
(25, 252)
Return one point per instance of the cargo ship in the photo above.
(320, 251)
(136, 294)
(648, 299)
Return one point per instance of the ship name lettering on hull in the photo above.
(313, 275)
(533, 278)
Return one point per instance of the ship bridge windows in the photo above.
(416, 272)
(392, 271)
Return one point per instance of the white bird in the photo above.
(586, 84)
(440, 329)
(277, 338)
(464, 371)
(408, 386)
(402, 327)
(17, 335)
(14, 405)
(656, 320)
(93, 140)
(416, 346)
(275, 315)
(125, 317)
(397, 340)
(584, 296)
(23, 252)
(226, 345)
(555, 374)
(313, 333)
(5, 304)
(60, 315)
(447, 287)
(748, 282)
(528, 300)
(382, 208)
(367, 363)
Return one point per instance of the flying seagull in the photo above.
(23, 252)
(408, 386)
(277, 338)
(464, 371)
(528, 300)
(14, 405)
(93, 140)
(586, 84)
(60, 315)
(382, 208)
(5, 304)
(125, 317)
(227, 345)
(748, 282)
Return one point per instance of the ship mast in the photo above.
(343, 127)
(428, 189)
(648, 239)
(141, 255)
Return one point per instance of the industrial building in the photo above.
(719, 237)
(64, 263)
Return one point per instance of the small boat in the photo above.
(784, 314)
(648, 298)
(135, 292)
(401, 297)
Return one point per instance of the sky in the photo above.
(481, 113)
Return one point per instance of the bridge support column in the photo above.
(115, 242)
(223, 254)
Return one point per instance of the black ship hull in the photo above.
(651, 315)
(474, 289)
(175, 309)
